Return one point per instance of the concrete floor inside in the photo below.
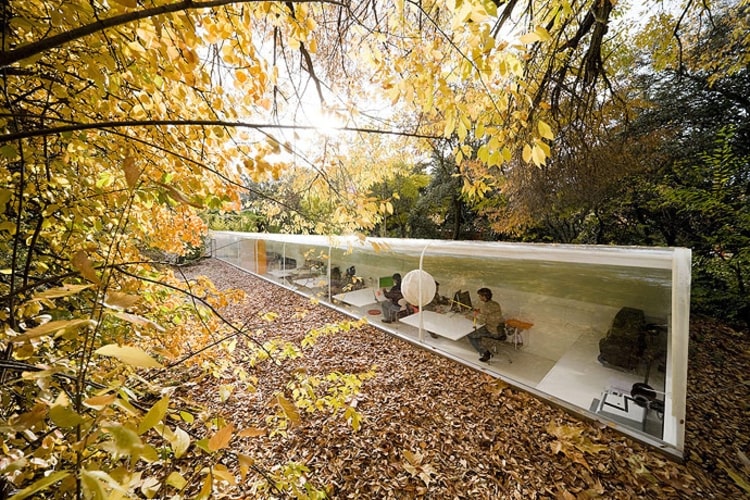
(558, 357)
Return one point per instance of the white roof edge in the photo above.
(625, 256)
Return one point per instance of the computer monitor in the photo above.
(461, 301)
(386, 282)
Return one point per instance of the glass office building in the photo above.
(603, 331)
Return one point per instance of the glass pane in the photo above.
(591, 327)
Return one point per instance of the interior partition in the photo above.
(604, 330)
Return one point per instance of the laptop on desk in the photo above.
(385, 282)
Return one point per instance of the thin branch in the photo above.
(202, 123)
(31, 49)
(187, 293)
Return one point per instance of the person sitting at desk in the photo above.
(336, 282)
(352, 281)
(392, 306)
(491, 314)
(437, 301)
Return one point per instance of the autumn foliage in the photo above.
(122, 121)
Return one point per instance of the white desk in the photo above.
(318, 282)
(452, 326)
(358, 298)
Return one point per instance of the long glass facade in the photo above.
(602, 330)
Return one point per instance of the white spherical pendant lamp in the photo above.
(418, 287)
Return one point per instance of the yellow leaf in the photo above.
(176, 480)
(270, 316)
(179, 196)
(100, 402)
(180, 441)
(92, 487)
(50, 327)
(154, 415)
(131, 172)
(526, 153)
(530, 38)
(129, 355)
(450, 125)
(39, 485)
(245, 463)
(84, 266)
(221, 472)
(137, 320)
(124, 439)
(221, 438)
(544, 35)
(507, 153)
(64, 417)
(545, 130)
(538, 156)
(252, 432)
(119, 300)
(480, 130)
(494, 159)
(5, 197)
(736, 477)
(544, 146)
(62, 291)
(206, 489)
(131, 4)
(289, 409)
(225, 390)
(8, 226)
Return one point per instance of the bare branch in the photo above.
(202, 123)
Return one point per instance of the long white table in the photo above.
(319, 282)
(358, 298)
(453, 326)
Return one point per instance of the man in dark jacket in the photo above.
(391, 307)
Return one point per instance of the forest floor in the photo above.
(433, 428)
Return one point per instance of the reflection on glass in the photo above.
(594, 325)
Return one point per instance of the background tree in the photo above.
(400, 195)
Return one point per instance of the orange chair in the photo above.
(517, 328)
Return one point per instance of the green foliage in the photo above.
(243, 221)
(713, 202)
(700, 203)
(399, 195)
(121, 121)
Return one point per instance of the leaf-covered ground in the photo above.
(433, 428)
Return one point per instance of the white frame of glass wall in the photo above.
(243, 250)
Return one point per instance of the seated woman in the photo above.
(437, 301)
(352, 281)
